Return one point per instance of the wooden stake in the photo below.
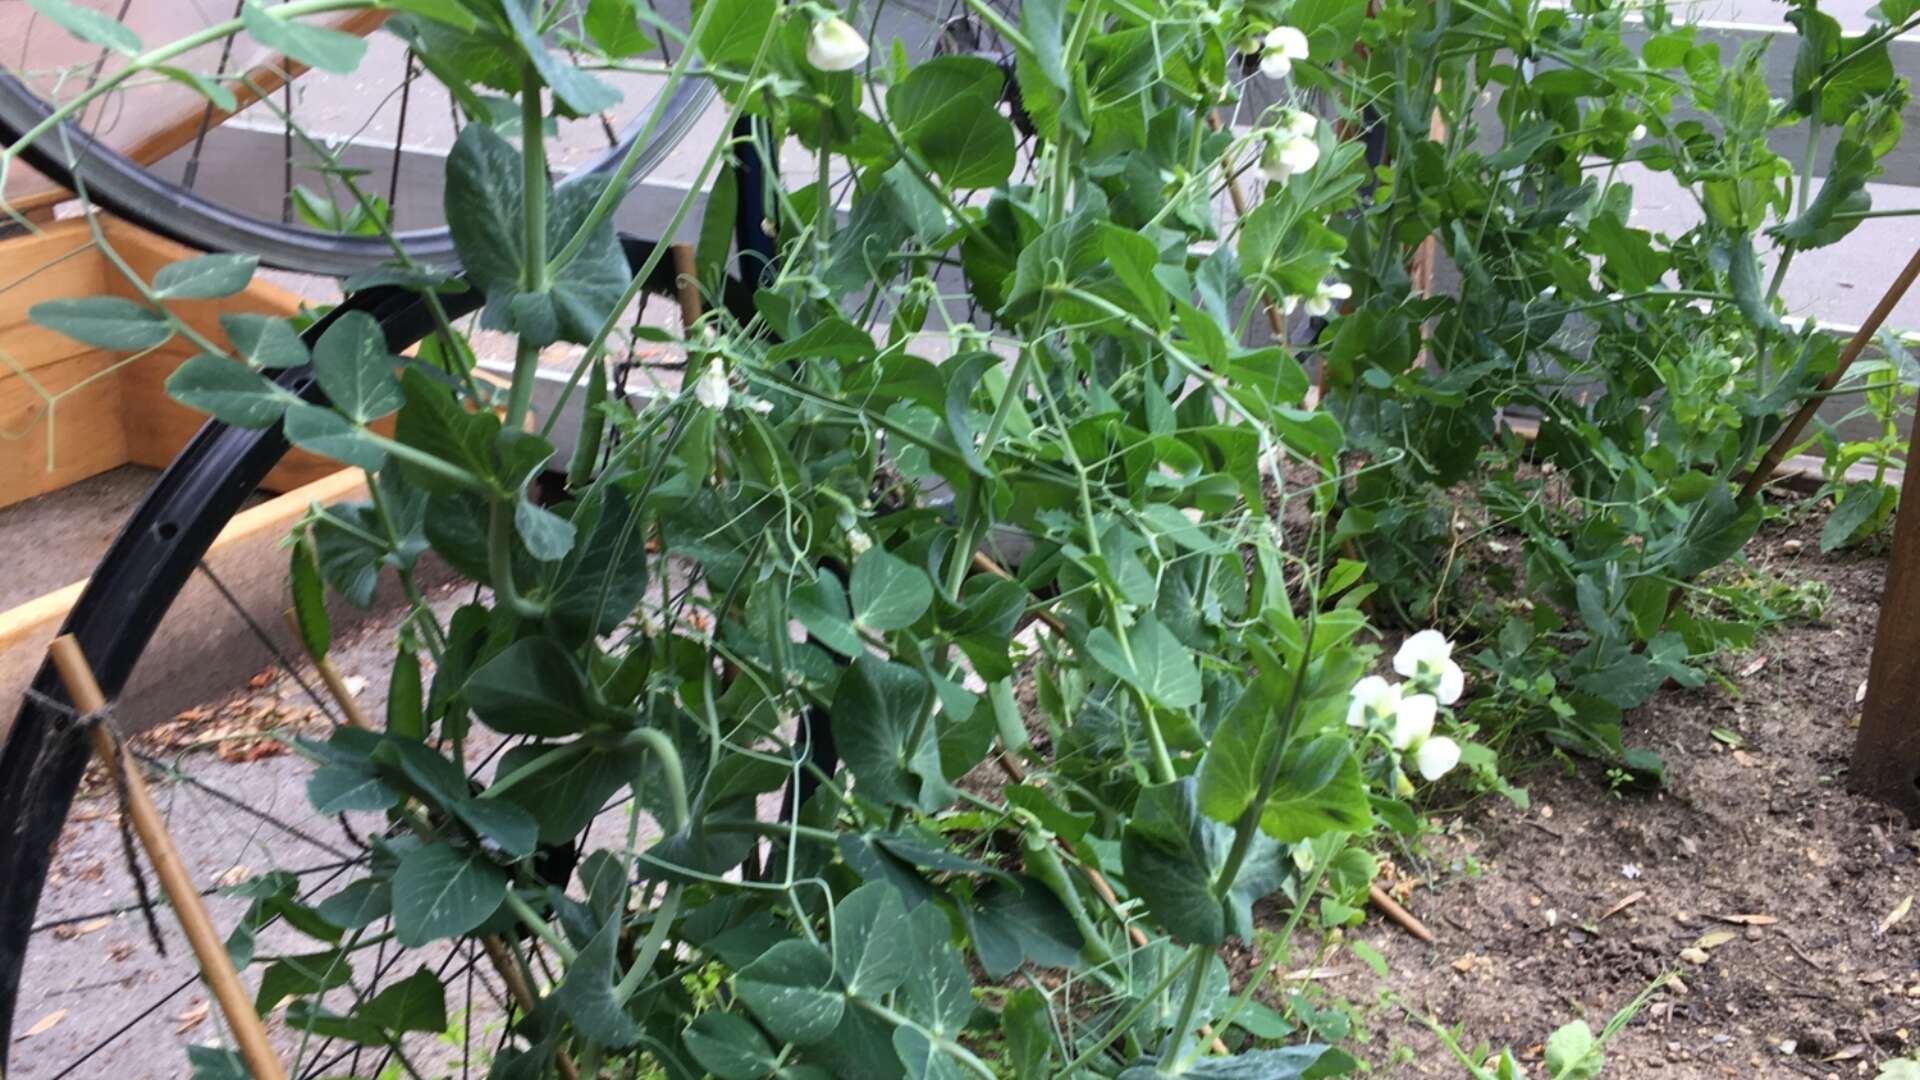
(686, 279)
(1392, 909)
(1791, 433)
(522, 994)
(1886, 753)
(216, 967)
(330, 675)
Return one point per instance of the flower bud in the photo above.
(834, 45)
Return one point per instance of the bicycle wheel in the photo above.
(175, 206)
(44, 756)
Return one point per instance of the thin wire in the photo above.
(193, 781)
(400, 141)
(206, 116)
(325, 707)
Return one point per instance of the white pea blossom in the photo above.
(1281, 47)
(1290, 148)
(711, 389)
(1374, 698)
(1288, 304)
(1413, 721)
(1436, 757)
(1322, 302)
(1427, 659)
(1639, 132)
(834, 45)
(858, 541)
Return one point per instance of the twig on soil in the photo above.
(1623, 904)
(1392, 910)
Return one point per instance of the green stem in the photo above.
(668, 755)
(533, 202)
(648, 950)
(532, 920)
(1126, 1023)
(500, 561)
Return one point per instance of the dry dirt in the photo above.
(1817, 985)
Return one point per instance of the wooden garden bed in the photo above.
(115, 412)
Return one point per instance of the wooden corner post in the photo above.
(1886, 754)
(215, 965)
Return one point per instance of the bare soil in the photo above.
(1572, 907)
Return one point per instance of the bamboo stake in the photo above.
(1791, 433)
(686, 280)
(1392, 909)
(216, 967)
(330, 675)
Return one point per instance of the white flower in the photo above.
(834, 45)
(1436, 758)
(711, 389)
(1282, 46)
(1639, 132)
(1373, 697)
(1427, 658)
(858, 541)
(1413, 721)
(1290, 148)
(1320, 303)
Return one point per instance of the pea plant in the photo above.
(1647, 370)
(987, 537)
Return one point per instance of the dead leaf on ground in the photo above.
(1753, 668)
(1898, 913)
(1715, 939)
(190, 1019)
(1464, 964)
(1746, 920)
(233, 875)
(1624, 903)
(42, 1025)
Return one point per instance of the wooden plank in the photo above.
(86, 433)
(1886, 753)
(202, 647)
(55, 264)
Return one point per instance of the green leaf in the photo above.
(206, 277)
(790, 988)
(734, 31)
(875, 708)
(356, 370)
(564, 796)
(228, 391)
(315, 46)
(1230, 773)
(1169, 852)
(1026, 1025)
(1027, 922)
(614, 26)
(415, 1003)
(434, 421)
(870, 941)
(1320, 790)
(310, 598)
(329, 434)
(264, 341)
(533, 687)
(1859, 506)
(586, 995)
(969, 144)
(406, 715)
(888, 592)
(1573, 1053)
(730, 1047)
(1285, 1063)
(1159, 667)
(90, 26)
(547, 535)
(440, 891)
(359, 905)
(306, 973)
(938, 991)
(104, 322)
(217, 95)
(336, 789)
(1719, 529)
